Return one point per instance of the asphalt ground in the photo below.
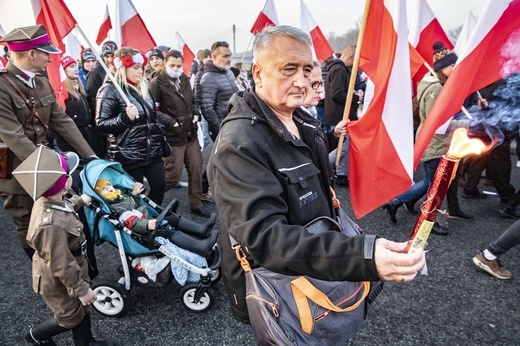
(455, 304)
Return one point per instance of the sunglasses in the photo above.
(317, 84)
(219, 44)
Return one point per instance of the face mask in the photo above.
(173, 73)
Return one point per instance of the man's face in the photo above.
(39, 60)
(89, 64)
(313, 95)
(108, 58)
(174, 63)
(222, 57)
(155, 62)
(282, 74)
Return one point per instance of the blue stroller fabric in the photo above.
(182, 274)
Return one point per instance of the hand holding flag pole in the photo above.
(353, 76)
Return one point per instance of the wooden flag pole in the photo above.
(353, 75)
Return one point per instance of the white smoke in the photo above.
(509, 52)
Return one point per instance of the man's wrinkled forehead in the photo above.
(285, 51)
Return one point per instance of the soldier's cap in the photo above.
(30, 37)
(45, 172)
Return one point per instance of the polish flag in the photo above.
(465, 33)
(133, 30)
(381, 142)
(187, 54)
(490, 54)
(425, 30)
(104, 28)
(267, 17)
(321, 49)
(59, 22)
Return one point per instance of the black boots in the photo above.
(391, 208)
(82, 334)
(41, 334)
(194, 244)
(201, 230)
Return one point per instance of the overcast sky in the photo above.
(202, 22)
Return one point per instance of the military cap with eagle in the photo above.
(45, 172)
(30, 37)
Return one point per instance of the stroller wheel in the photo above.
(112, 299)
(187, 296)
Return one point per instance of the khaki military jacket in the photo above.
(54, 232)
(14, 112)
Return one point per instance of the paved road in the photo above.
(456, 304)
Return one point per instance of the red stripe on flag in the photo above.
(135, 34)
(187, 59)
(103, 31)
(261, 22)
(321, 46)
(432, 32)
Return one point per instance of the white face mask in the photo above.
(173, 73)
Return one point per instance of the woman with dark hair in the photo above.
(135, 139)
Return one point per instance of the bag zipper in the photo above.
(273, 306)
(324, 314)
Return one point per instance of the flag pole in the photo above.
(98, 58)
(353, 75)
(249, 44)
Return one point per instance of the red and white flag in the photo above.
(187, 54)
(425, 30)
(465, 33)
(73, 46)
(267, 17)
(104, 28)
(490, 54)
(59, 22)
(133, 30)
(321, 49)
(381, 142)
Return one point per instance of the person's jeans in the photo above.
(342, 167)
(205, 131)
(420, 188)
(507, 240)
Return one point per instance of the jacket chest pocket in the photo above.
(302, 184)
(47, 101)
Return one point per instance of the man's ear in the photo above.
(255, 71)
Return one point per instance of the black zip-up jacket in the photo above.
(336, 86)
(216, 87)
(133, 143)
(267, 184)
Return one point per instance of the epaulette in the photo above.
(46, 216)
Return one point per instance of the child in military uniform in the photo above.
(59, 276)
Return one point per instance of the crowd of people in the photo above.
(275, 129)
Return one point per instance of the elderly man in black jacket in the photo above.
(269, 173)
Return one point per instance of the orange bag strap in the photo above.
(303, 289)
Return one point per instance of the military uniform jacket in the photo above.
(54, 232)
(14, 112)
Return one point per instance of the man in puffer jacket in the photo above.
(216, 86)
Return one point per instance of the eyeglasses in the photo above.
(317, 84)
(219, 44)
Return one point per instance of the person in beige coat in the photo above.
(26, 120)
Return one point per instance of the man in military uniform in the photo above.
(28, 108)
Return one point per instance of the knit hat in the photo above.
(206, 53)
(442, 57)
(154, 52)
(109, 47)
(100, 185)
(45, 172)
(67, 60)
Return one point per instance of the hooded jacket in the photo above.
(216, 87)
(336, 86)
(133, 143)
(267, 185)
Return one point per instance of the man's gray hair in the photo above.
(263, 39)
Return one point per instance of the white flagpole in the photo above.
(98, 58)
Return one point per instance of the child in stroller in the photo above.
(135, 216)
(140, 239)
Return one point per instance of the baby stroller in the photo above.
(113, 298)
